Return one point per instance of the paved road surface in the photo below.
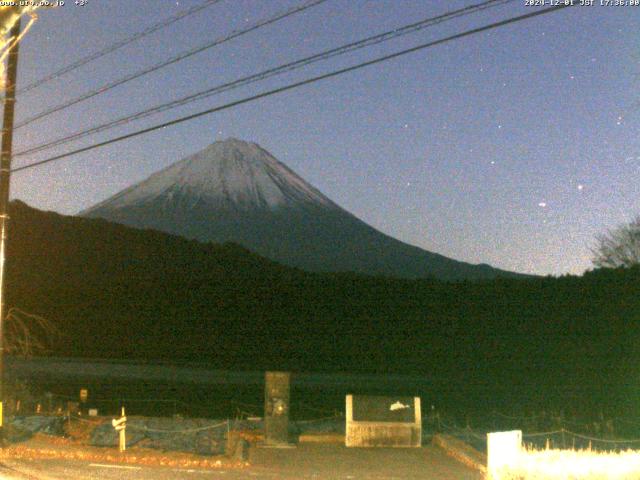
(318, 462)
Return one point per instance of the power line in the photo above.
(117, 45)
(177, 58)
(353, 46)
(295, 85)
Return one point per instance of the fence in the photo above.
(507, 459)
(615, 434)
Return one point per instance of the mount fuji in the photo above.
(235, 191)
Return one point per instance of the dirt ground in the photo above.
(320, 461)
(335, 461)
(46, 447)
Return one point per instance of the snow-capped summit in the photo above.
(229, 173)
(237, 191)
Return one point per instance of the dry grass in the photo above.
(574, 465)
(45, 447)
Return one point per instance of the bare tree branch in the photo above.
(619, 247)
(27, 334)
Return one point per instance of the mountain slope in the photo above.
(237, 191)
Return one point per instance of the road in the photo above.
(313, 461)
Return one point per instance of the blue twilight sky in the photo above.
(514, 147)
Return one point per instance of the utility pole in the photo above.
(5, 176)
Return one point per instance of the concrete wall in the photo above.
(362, 433)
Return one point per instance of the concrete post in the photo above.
(503, 452)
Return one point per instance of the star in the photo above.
(542, 204)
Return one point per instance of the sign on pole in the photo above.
(120, 425)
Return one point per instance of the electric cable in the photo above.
(117, 45)
(324, 55)
(189, 53)
(292, 86)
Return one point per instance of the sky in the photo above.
(514, 147)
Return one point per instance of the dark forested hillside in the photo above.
(118, 292)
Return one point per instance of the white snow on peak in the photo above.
(227, 172)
